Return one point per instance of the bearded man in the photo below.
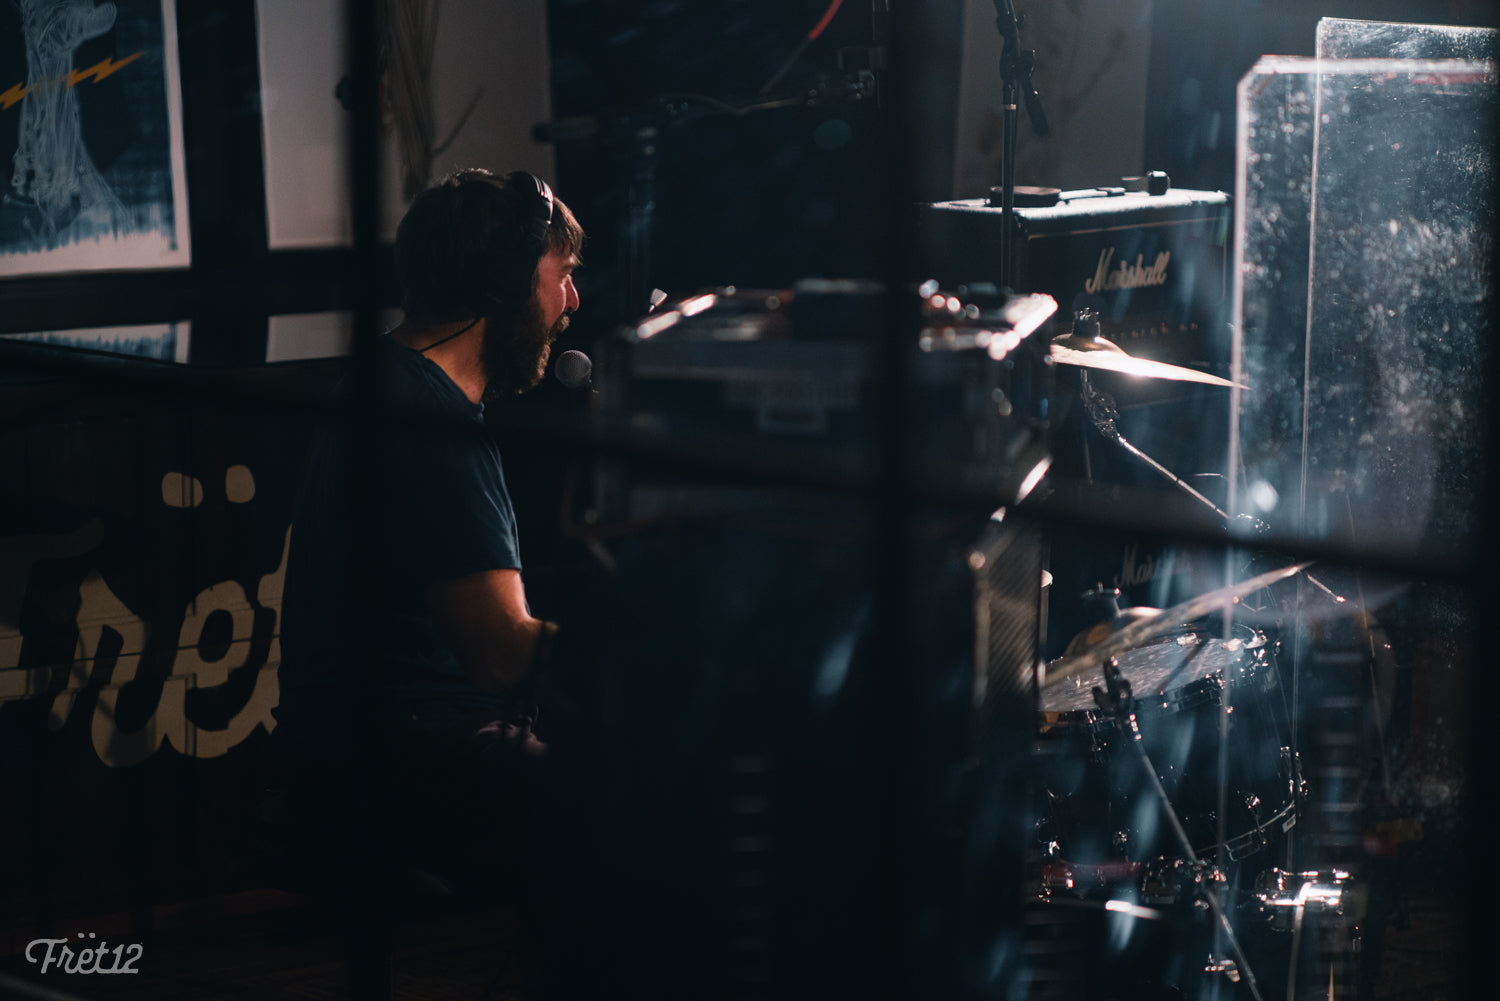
(409, 650)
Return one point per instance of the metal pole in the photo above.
(894, 502)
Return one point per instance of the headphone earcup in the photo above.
(502, 277)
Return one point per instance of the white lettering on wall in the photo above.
(103, 618)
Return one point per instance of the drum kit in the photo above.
(1169, 785)
(1167, 782)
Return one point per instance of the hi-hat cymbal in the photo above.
(1101, 354)
(1148, 628)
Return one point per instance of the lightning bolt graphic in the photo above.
(103, 68)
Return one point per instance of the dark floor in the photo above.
(272, 946)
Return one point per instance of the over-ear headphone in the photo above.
(503, 274)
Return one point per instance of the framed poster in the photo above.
(157, 341)
(91, 152)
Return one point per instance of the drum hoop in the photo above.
(1248, 843)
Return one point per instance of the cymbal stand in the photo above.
(1105, 416)
(1116, 698)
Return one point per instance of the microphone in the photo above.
(574, 370)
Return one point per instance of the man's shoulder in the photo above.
(408, 379)
(399, 366)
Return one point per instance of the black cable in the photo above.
(457, 333)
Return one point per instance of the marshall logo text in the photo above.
(1133, 572)
(1109, 277)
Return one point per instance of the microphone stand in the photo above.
(1016, 68)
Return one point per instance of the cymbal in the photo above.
(1148, 628)
(1104, 355)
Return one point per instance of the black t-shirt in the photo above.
(435, 508)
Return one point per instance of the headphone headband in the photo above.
(505, 272)
(534, 191)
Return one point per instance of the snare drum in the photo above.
(1190, 688)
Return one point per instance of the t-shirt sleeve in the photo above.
(452, 512)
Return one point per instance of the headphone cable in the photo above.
(457, 333)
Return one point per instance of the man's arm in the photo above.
(484, 619)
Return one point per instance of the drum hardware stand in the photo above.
(1117, 699)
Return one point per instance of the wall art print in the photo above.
(167, 342)
(91, 149)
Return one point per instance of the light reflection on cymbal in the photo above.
(1100, 354)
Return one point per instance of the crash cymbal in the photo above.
(1148, 628)
(1104, 355)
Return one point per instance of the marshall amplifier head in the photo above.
(1153, 264)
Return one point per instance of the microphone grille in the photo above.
(574, 369)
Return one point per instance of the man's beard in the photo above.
(515, 350)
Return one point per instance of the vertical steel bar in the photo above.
(1481, 778)
(366, 924)
(893, 505)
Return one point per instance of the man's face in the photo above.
(555, 294)
(516, 352)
